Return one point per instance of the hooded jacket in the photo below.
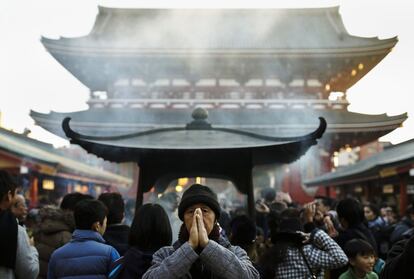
(55, 230)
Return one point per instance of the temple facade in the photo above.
(272, 72)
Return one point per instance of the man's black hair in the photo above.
(70, 200)
(87, 212)
(116, 207)
(357, 247)
(326, 201)
(351, 210)
(7, 183)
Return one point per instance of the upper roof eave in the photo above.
(281, 29)
(122, 11)
(59, 46)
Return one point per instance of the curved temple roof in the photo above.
(197, 149)
(281, 31)
(245, 44)
(197, 136)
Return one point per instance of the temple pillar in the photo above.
(34, 192)
(403, 193)
(326, 167)
(367, 192)
(328, 191)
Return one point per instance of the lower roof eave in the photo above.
(372, 173)
(80, 177)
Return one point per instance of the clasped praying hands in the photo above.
(198, 233)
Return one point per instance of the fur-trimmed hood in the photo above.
(54, 219)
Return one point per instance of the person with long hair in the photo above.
(200, 251)
(150, 230)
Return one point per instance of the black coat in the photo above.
(360, 232)
(136, 263)
(8, 239)
(117, 237)
(400, 266)
(398, 234)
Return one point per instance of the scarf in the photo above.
(8, 239)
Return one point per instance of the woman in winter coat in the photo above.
(150, 230)
(295, 254)
(201, 251)
(55, 230)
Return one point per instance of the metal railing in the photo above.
(220, 103)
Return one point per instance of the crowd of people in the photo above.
(85, 237)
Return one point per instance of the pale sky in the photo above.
(30, 78)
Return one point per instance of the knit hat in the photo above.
(198, 194)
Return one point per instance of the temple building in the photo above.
(386, 177)
(269, 72)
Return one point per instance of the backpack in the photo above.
(116, 268)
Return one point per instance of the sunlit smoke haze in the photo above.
(35, 80)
